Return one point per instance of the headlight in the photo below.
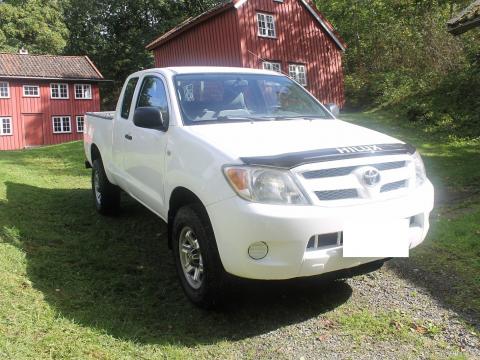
(420, 174)
(264, 185)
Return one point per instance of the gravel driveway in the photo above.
(381, 315)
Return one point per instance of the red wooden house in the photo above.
(290, 36)
(43, 98)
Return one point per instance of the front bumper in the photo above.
(287, 229)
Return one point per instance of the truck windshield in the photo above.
(206, 98)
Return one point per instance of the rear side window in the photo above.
(128, 96)
(153, 94)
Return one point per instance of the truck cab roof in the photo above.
(176, 70)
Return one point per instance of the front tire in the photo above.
(198, 264)
(105, 195)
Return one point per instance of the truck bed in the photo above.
(98, 131)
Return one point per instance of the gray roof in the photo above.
(48, 67)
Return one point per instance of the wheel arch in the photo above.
(95, 153)
(180, 197)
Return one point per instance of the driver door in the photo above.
(145, 149)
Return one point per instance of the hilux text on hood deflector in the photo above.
(296, 159)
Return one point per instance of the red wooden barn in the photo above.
(43, 98)
(290, 36)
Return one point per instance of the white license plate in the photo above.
(379, 239)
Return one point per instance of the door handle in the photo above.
(128, 137)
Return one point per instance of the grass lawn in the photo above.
(77, 285)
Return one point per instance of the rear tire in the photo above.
(106, 196)
(198, 263)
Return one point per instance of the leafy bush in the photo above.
(400, 57)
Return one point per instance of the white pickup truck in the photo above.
(255, 178)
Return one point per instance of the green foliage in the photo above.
(114, 33)
(402, 58)
(35, 24)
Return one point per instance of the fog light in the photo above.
(258, 250)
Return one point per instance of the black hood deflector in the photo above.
(291, 160)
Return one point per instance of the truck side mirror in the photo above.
(150, 117)
(334, 109)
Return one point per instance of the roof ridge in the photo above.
(49, 55)
(93, 66)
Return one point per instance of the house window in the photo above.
(266, 25)
(298, 73)
(31, 91)
(4, 90)
(59, 91)
(80, 123)
(5, 126)
(274, 66)
(61, 124)
(83, 91)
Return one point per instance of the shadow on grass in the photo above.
(117, 274)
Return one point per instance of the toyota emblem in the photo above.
(371, 177)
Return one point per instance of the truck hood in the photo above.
(246, 139)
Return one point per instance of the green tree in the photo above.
(34, 24)
(114, 33)
(402, 58)
(394, 45)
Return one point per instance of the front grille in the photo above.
(337, 194)
(318, 174)
(397, 185)
(344, 183)
(343, 171)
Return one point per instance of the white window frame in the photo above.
(62, 124)
(78, 117)
(262, 31)
(57, 85)
(2, 85)
(31, 86)
(10, 122)
(294, 72)
(272, 65)
(83, 86)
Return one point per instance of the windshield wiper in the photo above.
(300, 117)
(229, 118)
(226, 118)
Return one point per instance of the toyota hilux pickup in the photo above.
(254, 177)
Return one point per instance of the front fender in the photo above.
(197, 166)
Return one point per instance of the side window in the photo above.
(153, 94)
(128, 96)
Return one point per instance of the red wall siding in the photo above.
(300, 39)
(230, 39)
(11, 108)
(213, 42)
(19, 105)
